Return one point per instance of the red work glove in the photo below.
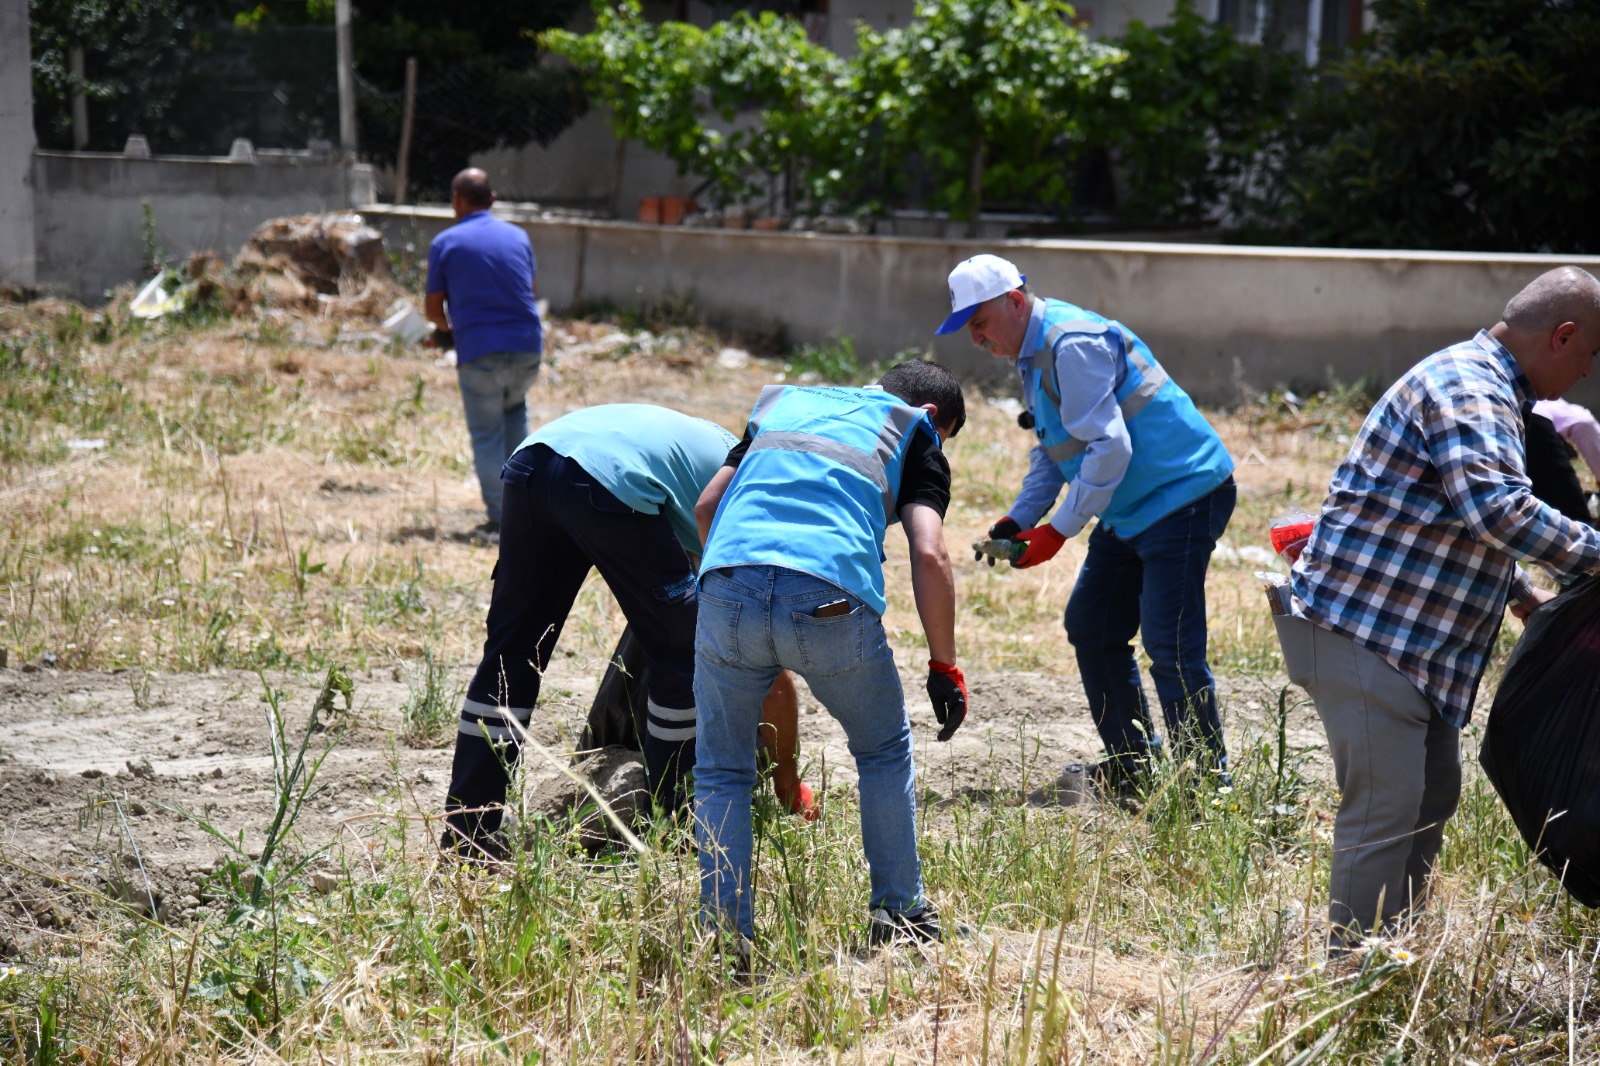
(947, 688)
(1043, 542)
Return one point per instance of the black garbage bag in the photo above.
(617, 716)
(1541, 746)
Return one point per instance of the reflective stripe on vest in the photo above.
(1151, 378)
(900, 421)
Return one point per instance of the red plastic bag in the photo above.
(1541, 746)
(1289, 534)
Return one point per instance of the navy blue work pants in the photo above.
(555, 526)
(1152, 584)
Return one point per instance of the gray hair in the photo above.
(1565, 294)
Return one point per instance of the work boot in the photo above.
(885, 926)
(1109, 781)
(488, 850)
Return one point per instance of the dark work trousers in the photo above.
(557, 523)
(1152, 584)
(1549, 462)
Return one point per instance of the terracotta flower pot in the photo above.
(650, 210)
(673, 208)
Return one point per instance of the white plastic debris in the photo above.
(406, 323)
(154, 301)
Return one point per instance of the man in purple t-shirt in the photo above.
(483, 269)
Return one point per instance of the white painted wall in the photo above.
(1217, 316)
(17, 251)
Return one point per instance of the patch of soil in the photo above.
(118, 785)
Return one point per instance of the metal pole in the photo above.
(402, 166)
(347, 78)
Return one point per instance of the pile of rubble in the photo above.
(332, 264)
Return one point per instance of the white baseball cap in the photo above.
(983, 277)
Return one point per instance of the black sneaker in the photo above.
(489, 852)
(485, 534)
(885, 926)
(1109, 781)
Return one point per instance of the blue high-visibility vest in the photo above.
(816, 490)
(1177, 456)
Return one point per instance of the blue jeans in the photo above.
(494, 395)
(754, 621)
(1153, 583)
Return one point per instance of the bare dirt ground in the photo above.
(121, 782)
(108, 777)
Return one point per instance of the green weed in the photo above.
(429, 714)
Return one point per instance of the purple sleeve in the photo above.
(435, 267)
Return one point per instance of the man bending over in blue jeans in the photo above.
(793, 578)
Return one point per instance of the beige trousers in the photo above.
(1398, 767)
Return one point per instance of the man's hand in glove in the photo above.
(1043, 542)
(1005, 529)
(947, 688)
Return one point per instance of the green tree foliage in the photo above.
(1472, 124)
(976, 101)
(129, 79)
(993, 98)
(1204, 121)
(736, 104)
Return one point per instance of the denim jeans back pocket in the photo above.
(830, 646)
(716, 633)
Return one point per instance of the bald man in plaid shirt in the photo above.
(1400, 591)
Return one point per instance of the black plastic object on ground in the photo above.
(1541, 747)
(617, 716)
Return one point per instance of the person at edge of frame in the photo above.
(1398, 594)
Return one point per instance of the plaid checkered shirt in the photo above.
(1414, 553)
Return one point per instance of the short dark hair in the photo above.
(917, 381)
(472, 185)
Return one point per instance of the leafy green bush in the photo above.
(983, 100)
(1470, 125)
(1203, 116)
(684, 91)
(993, 98)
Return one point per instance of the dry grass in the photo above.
(287, 492)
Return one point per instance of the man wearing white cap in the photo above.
(1138, 456)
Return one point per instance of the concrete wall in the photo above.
(580, 168)
(89, 208)
(16, 146)
(1217, 317)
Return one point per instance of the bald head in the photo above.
(1552, 329)
(1565, 294)
(471, 189)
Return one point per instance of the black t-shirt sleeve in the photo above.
(736, 456)
(925, 478)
